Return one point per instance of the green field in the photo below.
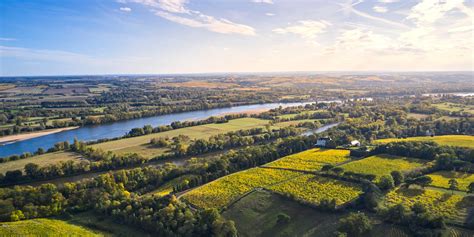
(452, 107)
(44, 227)
(140, 145)
(290, 116)
(451, 206)
(441, 179)
(446, 140)
(223, 191)
(257, 214)
(380, 165)
(41, 160)
(311, 160)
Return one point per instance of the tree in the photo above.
(386, 182)
(327, 167)
(453, 185)
(398, 177)
(17, 215)
(283, 219)
(471, 188)
(423, 181)
(356, 224)
(31, 169)
(337, 170)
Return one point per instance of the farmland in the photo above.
(41, 160)
(313, 189)
(140, 145)
(446, 140)
(454, 107)
(450, 206)
(221, 192)
(311, 160)
(44, 227)
(380, 165)
(167, 188)
(441, 179)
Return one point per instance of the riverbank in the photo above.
(26, 136)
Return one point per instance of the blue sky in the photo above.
(67, 37)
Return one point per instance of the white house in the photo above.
(355, 143)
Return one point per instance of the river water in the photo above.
(120, 128)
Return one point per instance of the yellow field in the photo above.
(380, 165)
(438, 203)
(41, 160)
(222, 191)
(43, 227)
(167, 188)
(140, 146)
(446, 140)
(311, 160)
(441, 179)
(314, 189)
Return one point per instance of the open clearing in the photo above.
(447, 140)
(140, 145)
(441, 179)
(311, 160)
(452, 107)
(41, 160)
(380, 165)
(44, 227)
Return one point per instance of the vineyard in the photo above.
(222, 191)
(438, 203)
(313, 189)
(380, 165)
(447, 140)
(311, 160)
(441, 179)
(43, 227)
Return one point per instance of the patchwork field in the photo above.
(223, 191)
(41, 160)
(441, 179)
(452, 107)
(380, 165)
(313, 189)
(447, 140)
(311, 160)
(44, 227)
(450, 206)
(140, 145)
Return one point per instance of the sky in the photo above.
(85, 37)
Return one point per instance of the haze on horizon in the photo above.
(47, 37)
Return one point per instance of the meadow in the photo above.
(223, 191)
(41, 160)
(441, 179)
(140, 145)
(311, 160)
(446, 140)
(453, 107)
(313, 189)
(450, 206)
(44, 227)
(380, 165)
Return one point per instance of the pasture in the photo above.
(41, 160)
(441, 179)
(380, 165)
(140, 145)
(311, 160)
(44, 227)
(446, 140)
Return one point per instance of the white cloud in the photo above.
(380, 9)
(307, 29)
(7, 39)
(42, 54)
(125, 9)
(388, 1)
(263, 1)
(430, 11)
(269, 14)
(176, 11)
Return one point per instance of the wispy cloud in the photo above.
(125, 9)
(42, 54)
(270, 14)
(307, 29)
(263, 1)
(176, 11)
(349, 7)
(380, 9)
(7, 39)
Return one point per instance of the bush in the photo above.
(283, 219)
(356, 224)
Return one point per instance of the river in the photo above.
(120, 128)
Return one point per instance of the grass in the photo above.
(257, 215)
(313, 189)
(452, 107)
(311, 160)
(441, 179)
(41, 160)
(44, 227)
(140, 146)
(452, 207)
(293, 122)
(446, 140)
(167, 188)
(223, 191)
(380, 165)
(417, 116)
(290, 116)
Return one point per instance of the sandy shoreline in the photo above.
(26, 136)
